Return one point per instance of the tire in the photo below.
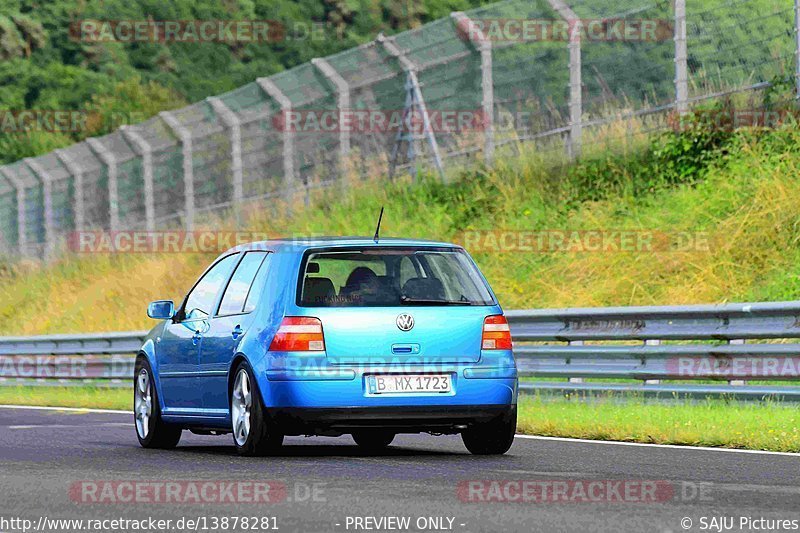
(494, 437)
(373, 441)
(151, 430)
(254, 434)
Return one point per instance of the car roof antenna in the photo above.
(378, 229)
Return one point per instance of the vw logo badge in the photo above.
(405, 322)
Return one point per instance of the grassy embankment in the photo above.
(739, 193)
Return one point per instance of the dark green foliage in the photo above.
(11, 43)
(44, 66)
(31, 31)
(681, 156)
(780, 92)
(470, 201)
(701, 138)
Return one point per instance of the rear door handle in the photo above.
(237, 331)
(405, 348)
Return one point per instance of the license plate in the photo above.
(409, 383)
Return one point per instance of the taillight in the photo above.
(496, 333)
(298, 334)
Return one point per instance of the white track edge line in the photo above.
(530, 437)
(650, 445)
(75, 409)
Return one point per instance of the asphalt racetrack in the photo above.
(77, 465)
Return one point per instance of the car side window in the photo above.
(236, 293)
(257, 288)
(200, 301)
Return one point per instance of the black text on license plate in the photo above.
(413, 383)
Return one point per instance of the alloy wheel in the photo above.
(241, 404)
(143, 403)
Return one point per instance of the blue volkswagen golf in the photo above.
(330, 336)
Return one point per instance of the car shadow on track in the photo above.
(321, 450)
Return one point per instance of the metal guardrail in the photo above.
(101, 358)
(662, 349)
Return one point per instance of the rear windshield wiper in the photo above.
(406, 300)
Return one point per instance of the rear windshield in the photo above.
(382, 277)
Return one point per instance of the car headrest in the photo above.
(361, 276)
(426, 288)
(318, 291)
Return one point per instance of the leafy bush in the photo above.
(16, 146)
(11, 43)
(681, 156)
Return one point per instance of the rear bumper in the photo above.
(346, 389)
(337, 421)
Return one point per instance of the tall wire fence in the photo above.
(474, 87)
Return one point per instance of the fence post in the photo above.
(344, 105)
(185, 137)
(737, 382)
(3, 235)
(413, 84)
(22, 234)
(797, 47)
(146, 151)
(108, 159)
(681, 59)
(47, 190)
(233, 124)
(77, 188)
(575, 78)
(575, 380)
(652, 342)
(484, 46)
(285, 104)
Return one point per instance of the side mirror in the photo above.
(161, 309)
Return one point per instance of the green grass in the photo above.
(88, 397)
(757, 426)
